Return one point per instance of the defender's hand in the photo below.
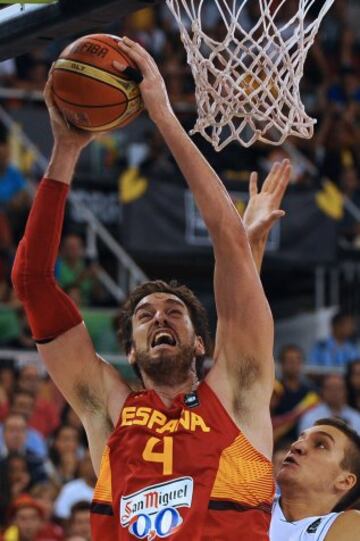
(152, 87)
(63, 133)
(263, 210)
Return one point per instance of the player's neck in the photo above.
(168, 393)
(298, 505)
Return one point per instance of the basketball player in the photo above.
(184, 460)
(319, 480)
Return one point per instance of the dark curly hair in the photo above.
(197, 313)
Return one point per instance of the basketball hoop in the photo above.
(247, 72)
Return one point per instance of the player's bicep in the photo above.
(86, 381)
(245, 323)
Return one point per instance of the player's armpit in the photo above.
(92, 386)
(345, 528)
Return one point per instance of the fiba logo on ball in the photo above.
(89, 91)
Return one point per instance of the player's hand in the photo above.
(263, 208)
(152, 87)
(63, 132)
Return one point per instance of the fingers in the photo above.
(274, 217)
(138, 55)
(269, 181)
(47, 93)
(253, 187)
(275, 176)
(283, 181)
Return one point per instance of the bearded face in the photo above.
(164, 342)
(166, 368)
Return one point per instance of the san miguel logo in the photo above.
(153, 511)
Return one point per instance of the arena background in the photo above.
(130, 216)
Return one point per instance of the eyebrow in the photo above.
(321, 433)
(148, 305)
(144, 306)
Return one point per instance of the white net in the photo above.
(247, 58)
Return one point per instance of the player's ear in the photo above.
(199, 346)
(346, 481)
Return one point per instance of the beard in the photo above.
(165, 369)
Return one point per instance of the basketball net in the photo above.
(247, 71)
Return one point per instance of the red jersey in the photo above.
(186, 473)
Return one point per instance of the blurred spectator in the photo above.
(333, 393)
(32, 69)
(294, 394)
(14, 442)
(76, 490)
(7, 72)
(15, 478)
(23, 402)
(70, 418)
(338, 349)
(72, 270)
(8, 375)
(79, 522)
(352, 379)
(64, 454)
(14, 198)
(44, 494)
(24, 340)
(27, 522)
(349, 226)
(45, 416)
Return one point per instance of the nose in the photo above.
(298, 447)
(160, 318)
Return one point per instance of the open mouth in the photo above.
(163, 338)
(290, 460)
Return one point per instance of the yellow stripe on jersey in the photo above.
(243, 475)
(103, 490)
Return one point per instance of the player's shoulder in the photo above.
(344, 526)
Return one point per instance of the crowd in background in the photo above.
(45, 471)
(46, 475)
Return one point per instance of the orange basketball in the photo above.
(89, 91)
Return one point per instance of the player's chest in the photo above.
(165, 442)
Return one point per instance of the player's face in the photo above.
(314, 461)
(163, 332)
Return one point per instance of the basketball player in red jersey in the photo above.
(184, 460)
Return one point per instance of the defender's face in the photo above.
(314, 460)
(161, 326)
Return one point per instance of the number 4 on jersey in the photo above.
(163, 456)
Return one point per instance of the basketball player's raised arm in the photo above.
(244, 342)
(85, 380)
(263, 208)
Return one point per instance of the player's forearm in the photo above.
(62, 163)
(211, 196)
(49, 311)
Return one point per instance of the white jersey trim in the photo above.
(308, 529)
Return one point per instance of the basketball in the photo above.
(89, 91)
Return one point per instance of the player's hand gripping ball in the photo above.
(89, 91)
